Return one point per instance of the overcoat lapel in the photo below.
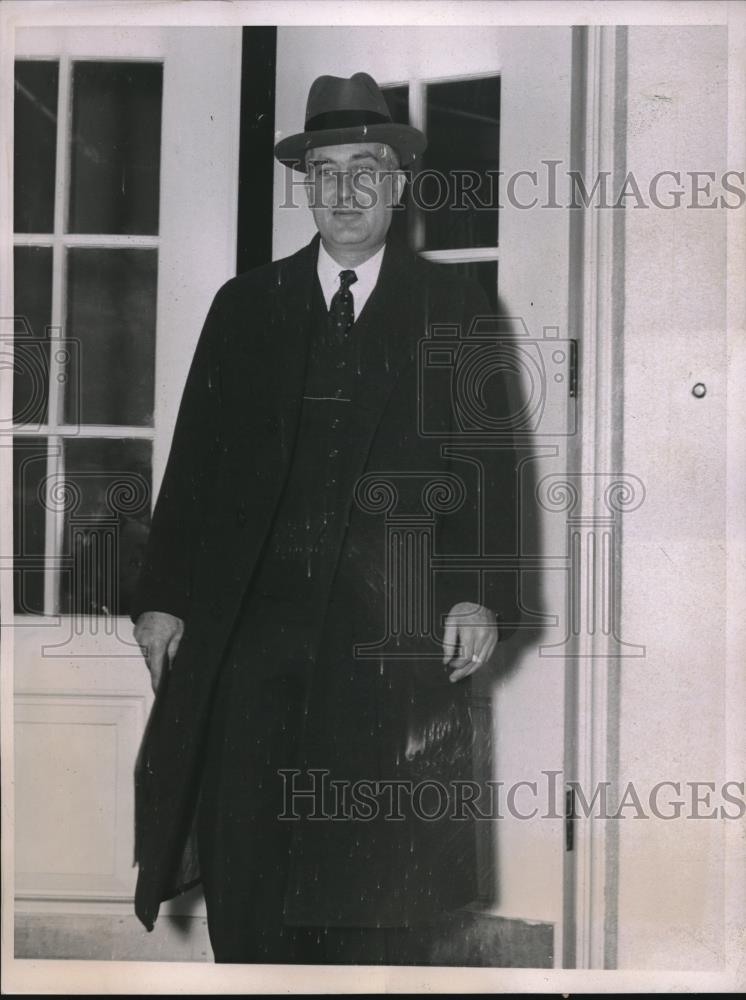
(386, 315)
(280, 360)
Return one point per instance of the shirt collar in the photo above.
(367, 273)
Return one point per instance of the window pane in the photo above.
(397, 99)
(484, 272)
(29, 476)
(460, 164)
(35, 117)
(106, 523)
(116, 147)
(111, 299)
(32, 289)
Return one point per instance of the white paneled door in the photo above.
(125, 226)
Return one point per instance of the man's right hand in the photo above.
(158, 635)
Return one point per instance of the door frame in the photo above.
(597, 314)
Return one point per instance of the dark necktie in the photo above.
(342, 308)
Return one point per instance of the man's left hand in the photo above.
(469, 639)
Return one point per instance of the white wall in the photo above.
(199, 195)
(670, 905)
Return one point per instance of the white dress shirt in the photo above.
(367, 275)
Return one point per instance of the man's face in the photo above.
(351, 192)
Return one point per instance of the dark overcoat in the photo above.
(380, 705)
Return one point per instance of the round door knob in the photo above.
(699, 389)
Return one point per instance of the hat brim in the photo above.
(408, 142)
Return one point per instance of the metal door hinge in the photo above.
(570, 819)
(573, 373)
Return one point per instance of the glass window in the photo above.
(115, 150)
(397, 99)
(106, 519)
(450, 206)
(460, 163)
(29, 478)
(111, 299)
(84, 378)
(35, 144)
(32, 291)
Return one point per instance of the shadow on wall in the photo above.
(526, 593)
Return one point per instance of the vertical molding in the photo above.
(597, 319)
(54, 516)
(616, 457)
(7, 757)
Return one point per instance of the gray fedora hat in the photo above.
(341, 110)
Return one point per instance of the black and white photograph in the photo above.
(372, 496)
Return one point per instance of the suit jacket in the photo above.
(231, 452)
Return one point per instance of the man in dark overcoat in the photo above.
(322, 577)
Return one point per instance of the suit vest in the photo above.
(284, 607)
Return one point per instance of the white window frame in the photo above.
(200, 125)
(55, 430)
(417, 100)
